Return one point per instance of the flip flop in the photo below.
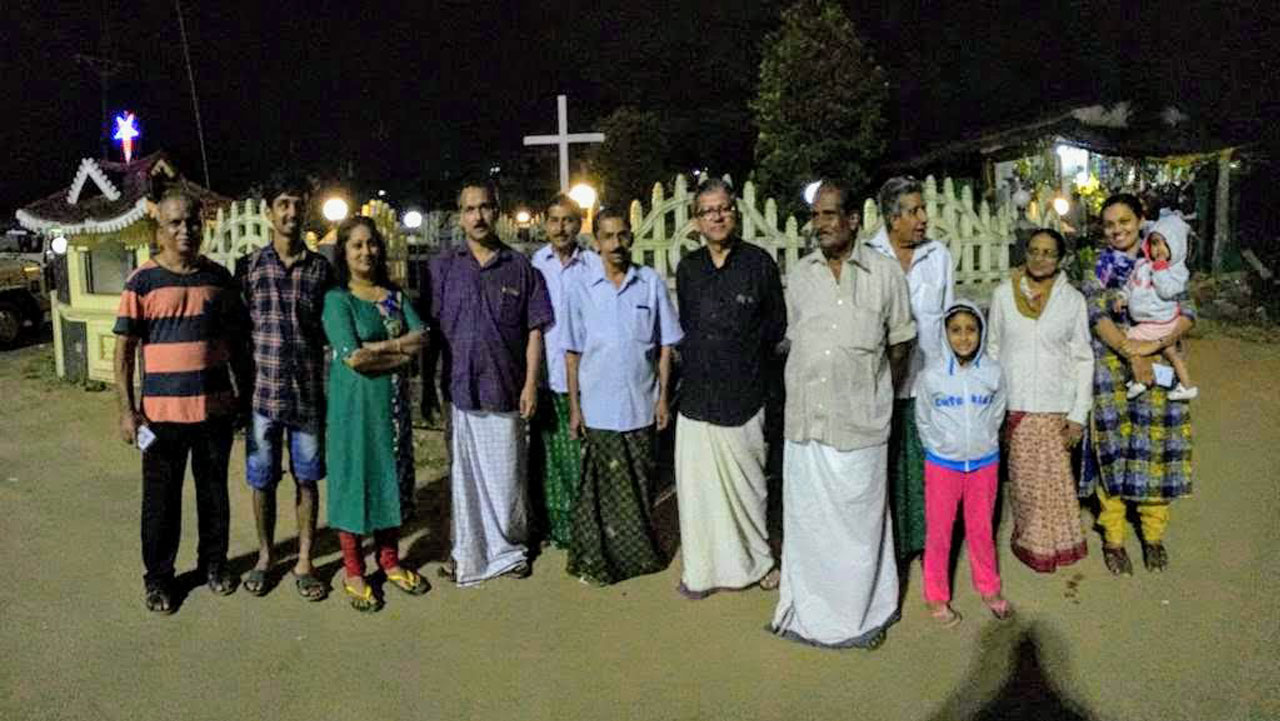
(1000, 608)
(310, 588)
(364, 602)
(255, 582)
(409, 582)
(946, 616)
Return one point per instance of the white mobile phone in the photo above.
(145, 437)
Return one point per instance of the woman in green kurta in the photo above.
(374, 334)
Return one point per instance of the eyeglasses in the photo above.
(718, 211)
(1043, 254)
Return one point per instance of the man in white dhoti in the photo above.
(848, 320)
(490, 305)
(734, 316)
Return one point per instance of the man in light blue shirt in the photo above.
(621, 328)
(557, 456)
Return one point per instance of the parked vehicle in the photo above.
(24, 299)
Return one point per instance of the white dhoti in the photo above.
(487, 477)
(839, 580)
(720, 488)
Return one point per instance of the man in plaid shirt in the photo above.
(284, 285)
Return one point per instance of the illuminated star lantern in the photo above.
(126, 131)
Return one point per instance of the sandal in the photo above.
(1117, 560)
(409, 582)
(771, 580)
(160, 601)
(221, 581)
(362, 601)
(999, 607)
(310, 588)
(945, 615)
(1155, 557)
(255, 582)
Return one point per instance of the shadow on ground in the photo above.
(1010, 678)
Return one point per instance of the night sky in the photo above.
(409, 96)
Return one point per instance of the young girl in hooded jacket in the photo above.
(960, 403)
(1158, 279)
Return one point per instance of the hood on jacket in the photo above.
(949, 355)
(1174, 230)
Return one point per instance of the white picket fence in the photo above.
(244, 227)
(979, 237)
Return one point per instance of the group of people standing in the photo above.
(900, 402)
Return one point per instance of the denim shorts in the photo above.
(264, 448)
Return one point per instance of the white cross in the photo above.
(563, 138)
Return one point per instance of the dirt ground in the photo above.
(1199, 642)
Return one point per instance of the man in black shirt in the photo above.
(733, 315)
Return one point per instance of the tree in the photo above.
(820, 105)
(632, 157)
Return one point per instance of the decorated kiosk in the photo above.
(102, 225)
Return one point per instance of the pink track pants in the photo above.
(944, 490)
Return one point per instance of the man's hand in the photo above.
(1072, 433)
(575, 423)
(528, 401)
(129, 423)
(663, 413)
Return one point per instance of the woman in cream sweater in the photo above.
(1040, 334)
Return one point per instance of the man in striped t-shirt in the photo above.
(184, 311)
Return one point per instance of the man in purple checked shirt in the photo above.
(490, 305)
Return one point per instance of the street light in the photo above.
(59, 245)
(412, 220)
(585, 196)
(811, 191)
(335, 209)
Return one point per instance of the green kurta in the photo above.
(363, 485)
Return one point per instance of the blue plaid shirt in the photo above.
(285, 305)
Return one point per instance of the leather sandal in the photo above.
(220, 580)
(160, 601)
(1155, 557)
(1117, 560)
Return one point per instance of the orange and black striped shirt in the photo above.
(188, 326)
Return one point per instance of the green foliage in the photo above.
(632, 157)
(820, 104)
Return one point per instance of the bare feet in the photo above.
(771, 580)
